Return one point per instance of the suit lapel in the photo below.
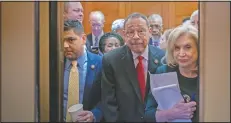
(153, 61)
(131, 71)
(89, 78)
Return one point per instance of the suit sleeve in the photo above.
(96, 95)
(109, 102)
(151, 104)
(150, 110)
(95, 99)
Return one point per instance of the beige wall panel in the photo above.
(215, 61)
(44, 61)
(18, 62)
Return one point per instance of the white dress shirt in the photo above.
(93, 38)
(145, 61)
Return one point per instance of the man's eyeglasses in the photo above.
(157, 26)
(131, 33)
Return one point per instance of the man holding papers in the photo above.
(182, 58)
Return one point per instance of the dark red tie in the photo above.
(141, 77)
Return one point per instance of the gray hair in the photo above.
(136, 15)
(155, 17)
(195, 13)
(117, 24)
(99, 14)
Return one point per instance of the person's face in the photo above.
(137, 34)
(96, 25)
(111, 44)
(163, 42)
(73, 44)
(195, 21)
(75, 12)
(185, 52)
(156, 27)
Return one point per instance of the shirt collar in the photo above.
(81, 60)
(144, 54)
(93, 36)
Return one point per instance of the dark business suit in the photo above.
(121, 98)
(94, 65)
(89, 42)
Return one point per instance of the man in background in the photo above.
(96, 20)
(73, 11)
(194, 19)
(156, 24)
(118, 27)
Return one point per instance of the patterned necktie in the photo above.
(73, 88)
(141, 76)
(96, 41)
(156, 44)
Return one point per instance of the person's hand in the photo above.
(85, 116)
(182, 110)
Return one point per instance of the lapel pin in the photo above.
(92, 67)
(156, 61)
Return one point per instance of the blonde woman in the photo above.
(181, 57)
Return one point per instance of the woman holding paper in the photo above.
(182, 58)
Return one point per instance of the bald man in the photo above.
(194, 19)
(73, 11)
(96, 20)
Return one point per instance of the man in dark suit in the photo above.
(96, 20)
(81, 69)
(125, 73)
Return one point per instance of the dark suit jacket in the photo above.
(89, 41)
(92, 73)
(121, 98)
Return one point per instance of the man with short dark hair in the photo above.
(125, 73)
(80, 70)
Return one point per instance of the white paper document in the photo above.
(166, 91)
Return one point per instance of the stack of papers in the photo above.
(166, 91)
